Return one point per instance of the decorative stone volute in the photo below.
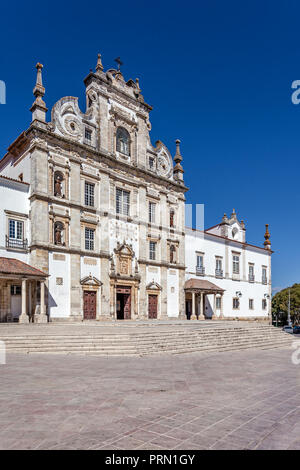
(39, 108)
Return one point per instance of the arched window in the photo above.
(123, 141)
(235, 232)
(58, 184)
(172, 214)
(172, 254)
(59, 233)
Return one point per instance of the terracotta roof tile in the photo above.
(15, 266)
(201, 284)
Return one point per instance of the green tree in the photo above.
(280, 305)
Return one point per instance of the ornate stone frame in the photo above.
(91, 283)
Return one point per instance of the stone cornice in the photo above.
(69, 250)
(160, 264)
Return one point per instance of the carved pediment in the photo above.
(124, 250)
(90, 281)
(153, 286)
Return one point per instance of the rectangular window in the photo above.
(15, 290)
(251, 272)
(152, 212)
(218, 303)
(88, 135)
(89, 239)
(122, 202)
(89, 194)
(16, 229)
(236, 264)
(218, 264)
(235, 303)
(264, 275)
(251, 304)
(199, 261)
(264, 304)
(151, 163)
(152, 250)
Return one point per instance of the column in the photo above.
(214, 310)
(42, 317)
(23, 318)
(193, 306)
(221, 311)
(30, 300)
(201, 315)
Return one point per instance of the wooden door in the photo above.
(89, 305)
(152, 306)
(127, 306)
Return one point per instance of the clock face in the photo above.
(163, 164)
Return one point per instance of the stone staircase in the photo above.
(142, 340)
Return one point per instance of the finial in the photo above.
(178, 157)
(224, 217)
(39, 90)
(233, 214)
(178, 170)
(137, 81)
(267, 242)
(99, 66)
(38, 108)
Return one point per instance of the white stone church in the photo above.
(92, 221)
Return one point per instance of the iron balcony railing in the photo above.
(251, 278)
(16, 244)
(219, 272)
(200, 270)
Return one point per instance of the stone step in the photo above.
(132, 352)
(143, 339)
(143, 345)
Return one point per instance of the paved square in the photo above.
(231, 400)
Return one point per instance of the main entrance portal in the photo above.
(123, 303)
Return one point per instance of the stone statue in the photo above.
(58, 185)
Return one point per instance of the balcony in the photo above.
(16, 244)
(264, 280)
(219, 273)
(200, 270)
(251, 278)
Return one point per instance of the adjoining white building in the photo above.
(92, 222)
(21, 285)
(225, 276)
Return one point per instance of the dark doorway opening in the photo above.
(123, 303)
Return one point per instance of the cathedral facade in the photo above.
(106, 207)
(92, 221)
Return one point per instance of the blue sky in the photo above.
(218, 75)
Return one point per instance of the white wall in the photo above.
(59, 295)
(173, 293)
(14, 198)
(14, 168)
